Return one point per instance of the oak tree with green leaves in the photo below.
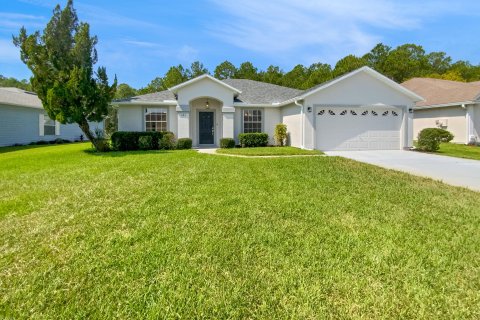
(62, 61)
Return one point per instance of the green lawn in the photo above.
(186, 235)
(269, 151)
(460, 151)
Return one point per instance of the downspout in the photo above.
(302, 117)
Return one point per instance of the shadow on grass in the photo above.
(33, 146)
(114, 154)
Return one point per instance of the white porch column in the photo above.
(410, 137)
(228, 115)
(470, 128)
(183, 114)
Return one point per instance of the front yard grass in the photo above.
(269, 151)
(460, 151)
(186, 235)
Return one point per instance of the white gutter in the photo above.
(145, 103)
(302, 117)
(451, 104)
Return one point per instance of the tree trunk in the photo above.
(85, 127)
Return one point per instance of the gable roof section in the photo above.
(438, 92)
(369, 71)
(204, 76)
(256, 92)
(250, 92)
(19, 97)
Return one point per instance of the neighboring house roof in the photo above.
(256, 92)
(19, 97)
(439, 92)
(252, 92)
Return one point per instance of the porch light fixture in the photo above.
(207, 105)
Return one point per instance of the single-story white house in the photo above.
(451, 105)
(23, 120)
(361, 110)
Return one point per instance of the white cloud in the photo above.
(352, 26)
(14, 21)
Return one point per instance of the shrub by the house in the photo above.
(248, 140)
(129, 140)
(227, 143)
(167, 141)
(280, 134)
(145, 142)
(184, 143)
(429, 139)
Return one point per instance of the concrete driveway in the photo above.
(454, 171)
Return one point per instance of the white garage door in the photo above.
(358, 128)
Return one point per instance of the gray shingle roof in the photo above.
(156, 96)
(19, 97)
(253, 92)
(256, 92)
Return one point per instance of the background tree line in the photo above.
(401, 63)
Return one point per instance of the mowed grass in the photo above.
(269, 151)
(460, 151)
(148, 235)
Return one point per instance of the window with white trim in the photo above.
(156, 119)
(48, 126)
(252, 121)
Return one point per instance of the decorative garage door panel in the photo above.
(358, 128)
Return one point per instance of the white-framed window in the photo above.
(156, 119)
(49, 126)
(252, 120)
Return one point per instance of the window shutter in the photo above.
(41, 123)
(57, 128)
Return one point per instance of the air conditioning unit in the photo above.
(441, 123)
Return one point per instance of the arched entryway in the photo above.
(206, 121)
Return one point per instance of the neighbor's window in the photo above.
(48, 126)
(252, 121)
(156, 119)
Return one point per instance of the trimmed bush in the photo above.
(128, 140)
(167, 141)
(248, 140)
(145, 143)
(227, 143)
(280, 134)
(429, 139)
(184, 143)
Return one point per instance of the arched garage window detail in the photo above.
(331, 112)
(374, 113)
(353, 113)
(155, 119)
(344, 112)
(321, 112)
(395, 114)
(385, 113)
(364, 113)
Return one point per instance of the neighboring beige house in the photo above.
(451, 105)
(362, 110)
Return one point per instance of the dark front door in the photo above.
(205, 124)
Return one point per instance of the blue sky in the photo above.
(139, 40)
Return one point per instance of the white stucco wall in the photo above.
(131, 118)
(291, 116)
(271, 117)
(205, 88)
(359, 89)
(426, 118)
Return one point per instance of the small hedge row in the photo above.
(248, 140)
(131, 140)
(227, 143)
